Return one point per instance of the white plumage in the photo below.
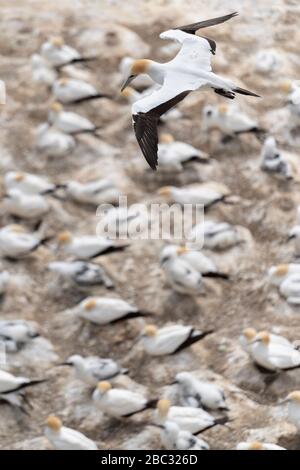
(174, 438)
(215, 235)
(16, 333)
(57, 53)
(204, 194)
(27, 183)
(42, 72)
(93, 192)
(69, 122)
(25, 206)
(93, 369)
(81, 272)
(15, 242)
(87, 246)
(52, 142)
(273, 356)
(67, 90)
(63, 438)
(199, 394)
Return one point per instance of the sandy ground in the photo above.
(264, 206)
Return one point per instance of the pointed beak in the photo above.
(63, 364)
(127, 82)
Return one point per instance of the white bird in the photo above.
(10, 383)
(199, 261)
(25, 206)
(81, 272)
(272, 160)
(293, 400)
(87, 246)
(272, 356)
(292, 91)
(52, 142)
(105, 310)
(180, 275)
(69, 122)
(194, 420)
(170, 339)
(94, 192)
(42, 72)
(190, 70)
(93, 369)
(198, 393)
(16, 242)
(266, 61)
(16, 333)
(290, 289)
(142, 81)
(72, 90)
(58, 54)
(63, 438)
(28, 183)
(174, 438)
(215, 235)
(173, 155)
(204, 194)
(256, 445)
(118, 403)
(249, 334)
(294, 233)
(122, 222)
(277, 274)
(228, 120)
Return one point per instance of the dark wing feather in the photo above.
(192, 28)
(145, 128)
(212, 43)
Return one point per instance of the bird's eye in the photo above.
(208, 113)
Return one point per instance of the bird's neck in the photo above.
(156, 71)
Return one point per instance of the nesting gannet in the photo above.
(93, 369)
(248, 335)
(71, 90)
(190, 70)
(25, 206)
(10, 383)
(173, 155)
(123, 222)
(228, 120)
(16, 242)
(170, 339)
(199, 261)
(28, 183)
(118, 403)
(294, 233)
(273, 356)
(104, 310)
(16, 333)
(290, 289)
(81, 272)
(204, 194)
(93, 192)
(57, 53)
(293, 400)
(267, 61)
(63, 438)
(42, 72)
(272, 160)
(215, 235)
(69, 122)
(292, 92)
(180, 275)
(255, 445)
(194, 420)
(174, 438)
(277, 274)
(87, 246)
(199, 394)
(52, 142)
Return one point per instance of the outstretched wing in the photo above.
(192, 28)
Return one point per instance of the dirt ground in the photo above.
(264, 205)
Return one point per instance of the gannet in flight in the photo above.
(255, 445)
(105, 310)
(63, 438)
(199, 394)
(93, 369)
(58, 54)
(190, 70)
(69, 122)
(174, 438)
(170, 339)
(118, 402)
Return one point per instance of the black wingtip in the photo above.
(243, 91)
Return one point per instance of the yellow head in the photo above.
(281, 270)
(19, 177)
(64, 237)
(54, 423)
(255, 445)
(166, 138)
(57, 41)
(249, 334)
(165, 191)
(16, 228)
(104, 386)
(138, 67)
(294, 396)
(63, 81)
(263, 337)
(223, 108)
(90, 304)
(56, 107)
(181, 250)
(163, 407)
(286, 86)
(150, 330)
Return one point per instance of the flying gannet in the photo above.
(190, 70)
